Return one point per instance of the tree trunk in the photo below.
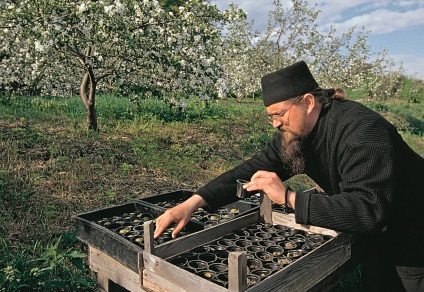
(88, 93)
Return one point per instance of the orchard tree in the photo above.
(383, 82)
(341, 60)
(249, 54)
(288, 37)
(52, 45)
(238, 55)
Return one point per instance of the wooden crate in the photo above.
(123, 250)
(116, 260)
(304, 274)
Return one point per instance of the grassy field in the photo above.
(51, 168)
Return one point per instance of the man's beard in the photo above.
(292, 151)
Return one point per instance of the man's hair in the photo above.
(324, 96)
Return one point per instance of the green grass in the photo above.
(59, 266)
(51, 167)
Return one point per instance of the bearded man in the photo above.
(371, 177)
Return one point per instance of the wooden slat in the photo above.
(330, 282)
(193, 240)
(160, 284)
(102, 282)
(111, 269)
(168, 277)
(149, 244)
(289, 221)
(237, 271)
(265, 209)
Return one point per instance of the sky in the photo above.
(395, 25)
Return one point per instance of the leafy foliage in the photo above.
(59, 267)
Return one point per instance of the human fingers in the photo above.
(258, 181)
(178, 228)
(260, 174)
(162, 222)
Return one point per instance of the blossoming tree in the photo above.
(337, 59)
(49, 46)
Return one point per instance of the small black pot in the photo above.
(217, 267)
(197, 265)
(255, 248)
(207, 257)
(294, 254)
(282, 261)
(234, 248)
(222, 277)
(252, 280)
(243, 243)
(113, 226)
(241, 233)
(288, 245)
(275, 250)
(263, 235)
(264, 256)
(225, 242)
(223, 255)
(266, 243)
(262, 273)
(201, 249)
(206, 274)
(215, 248)
(280, 228)
(272, 266)
(180, 262)
(254, 264)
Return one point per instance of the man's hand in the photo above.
(180, 215)
(269, 183)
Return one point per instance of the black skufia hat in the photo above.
(286, 83)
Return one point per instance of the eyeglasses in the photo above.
(271, 118)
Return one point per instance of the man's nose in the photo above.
(277, 123)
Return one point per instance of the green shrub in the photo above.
(57, 267)
(413, 90)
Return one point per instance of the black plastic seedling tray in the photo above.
(205, 216)
(168, 199)
(269, 248)
(293, 268)
(100, 230)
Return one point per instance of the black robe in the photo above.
(372, 179)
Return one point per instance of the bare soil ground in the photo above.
(50, 173)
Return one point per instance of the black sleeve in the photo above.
(222, 190)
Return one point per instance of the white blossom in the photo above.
(120, 8)
(40, 47)
(83, 7)
(108, 10)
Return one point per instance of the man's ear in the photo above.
(309, 101)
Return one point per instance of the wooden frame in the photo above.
(319, 270)
(303, 275)
(112, 275)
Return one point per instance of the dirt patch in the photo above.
(46, 177)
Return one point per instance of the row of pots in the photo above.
(269, 248)
(130, 226)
